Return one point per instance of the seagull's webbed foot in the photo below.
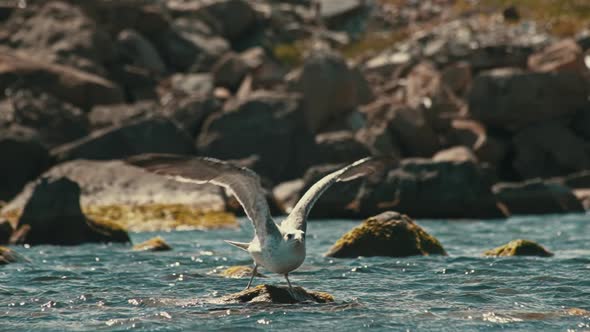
(252, 277)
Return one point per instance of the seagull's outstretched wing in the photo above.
(298, 217)
(242, 182)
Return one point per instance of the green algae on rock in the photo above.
(275, 294)
(519, 247)
(154, 244)
(387, 234)
(158, 217)
(239, 271)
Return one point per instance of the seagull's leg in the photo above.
(252, 277)
(288, 282)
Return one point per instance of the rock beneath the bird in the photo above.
(519, 247)
(277, 295)
(154, 244)
(387, 234)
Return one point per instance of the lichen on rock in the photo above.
(387, 234)
(154, 244)
(519, 247)
(275, 294)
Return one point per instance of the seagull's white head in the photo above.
(294, 237)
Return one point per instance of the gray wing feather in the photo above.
(298, 217)
(243, 183)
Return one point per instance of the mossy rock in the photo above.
(277, 295)
(8, 256)
(154, 244)
(158, 217)
(519, 247)
(239, 271)
(387, 234)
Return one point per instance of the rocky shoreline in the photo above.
(476, 114)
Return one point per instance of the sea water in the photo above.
(100, 287)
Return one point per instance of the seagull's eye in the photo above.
(290, 236)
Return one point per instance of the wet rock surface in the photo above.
(276, 295)
(387, 234)
(519, 248)
(154, 244)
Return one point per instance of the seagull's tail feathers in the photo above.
(242, 245)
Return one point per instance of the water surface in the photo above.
(111, 288)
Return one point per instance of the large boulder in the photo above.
(519, 248)
(474, 135)
(338, 147)
(229, 71)
(512, 99)
(564, 55)
(549, 149)
(148, 135)
(60, 32)
(53, 215)
(266, 125)
(107, 183)
(57, 122)
(581, 123)
(429, 189)
(276, 295)
(24, 157)
(186, 50)
(337, 202)
(190, 113)
(6, 231)
(537, 197)
(387, 234)
(104, 116)
(76, 87)
(413, 130)
(133, 48)
(232, 18)
(324, 74)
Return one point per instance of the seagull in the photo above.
(279, 248)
